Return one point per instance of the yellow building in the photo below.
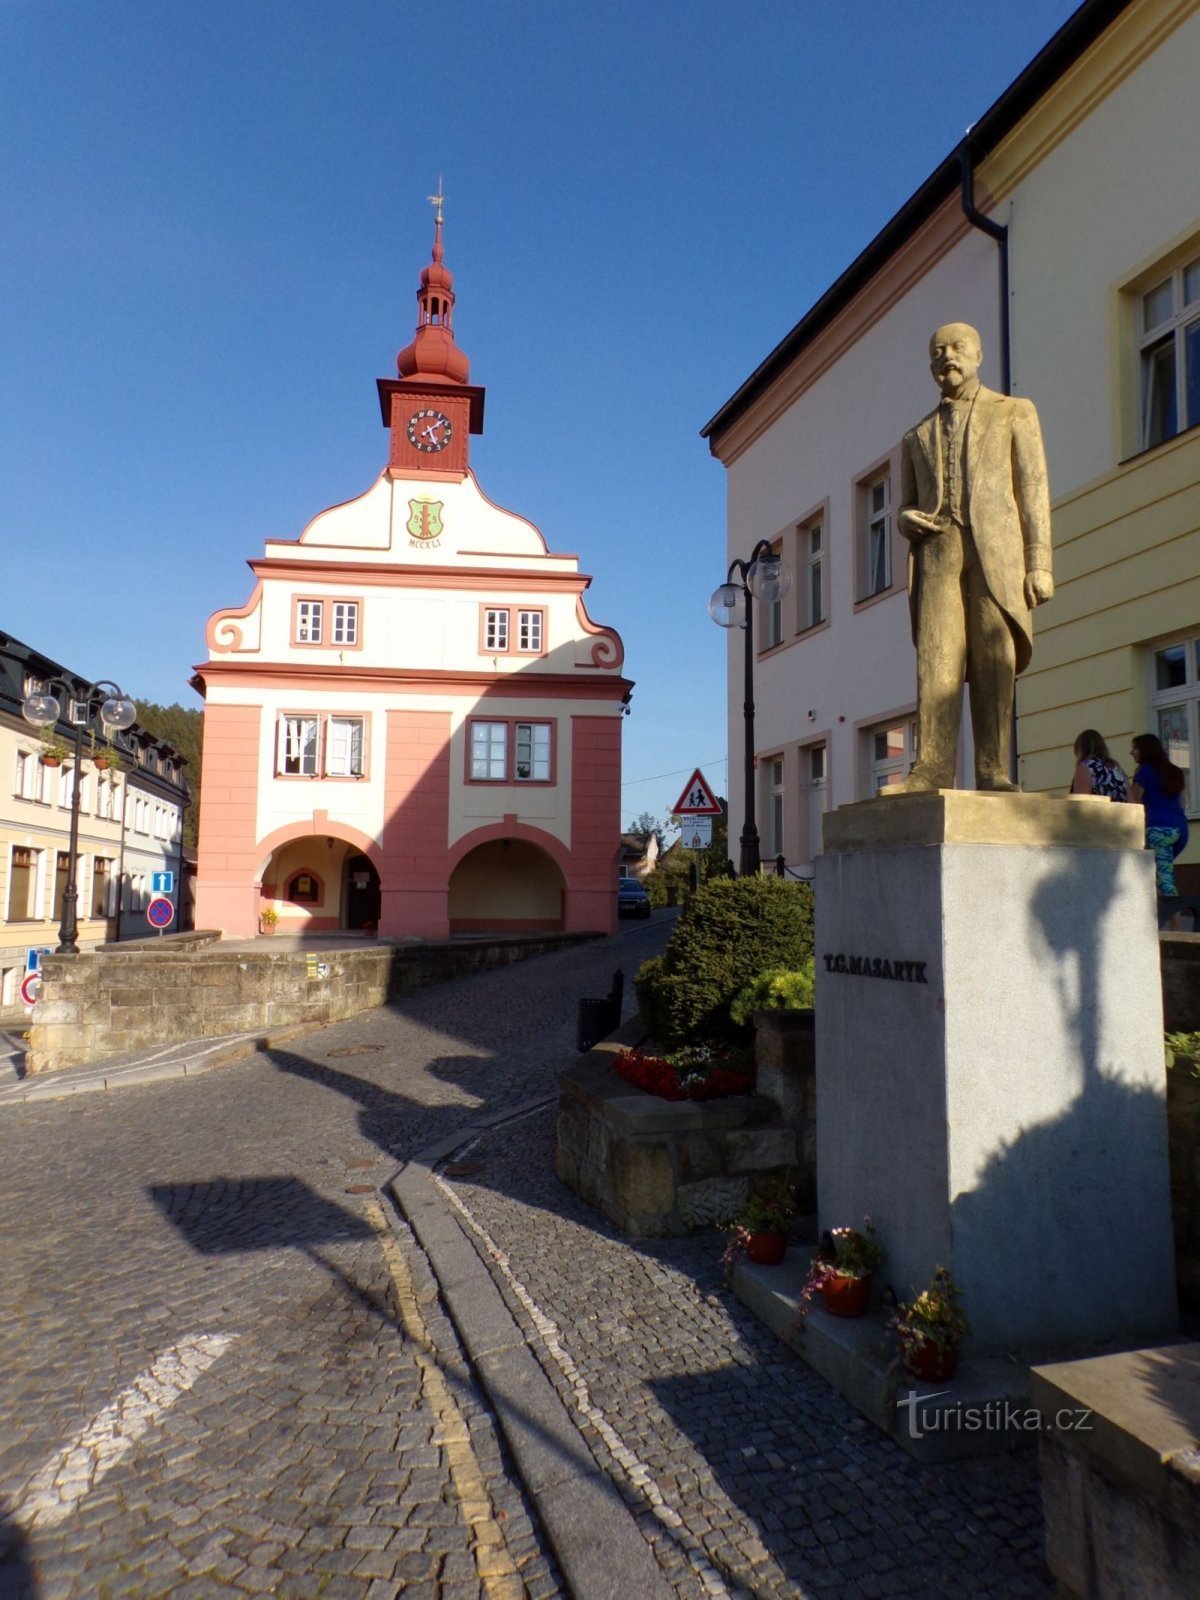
(132, 797)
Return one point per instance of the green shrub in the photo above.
(730, 932)
(780, 989)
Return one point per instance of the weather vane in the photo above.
(437, 199)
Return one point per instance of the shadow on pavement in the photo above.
(16, 1574)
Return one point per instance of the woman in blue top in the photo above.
(1158, 786)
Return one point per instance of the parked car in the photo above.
(632, 899)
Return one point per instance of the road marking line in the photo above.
(498, 1576)
(638, 1474)
(54, 1491)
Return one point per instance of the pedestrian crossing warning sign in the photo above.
(697, 799)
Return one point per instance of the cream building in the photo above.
(1085, 168)
(130, 823)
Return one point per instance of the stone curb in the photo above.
(97, 1078)
(596, 1542)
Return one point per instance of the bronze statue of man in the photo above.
(975, 507)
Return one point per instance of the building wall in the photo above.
(812, 446)
(424, 664)
(1105, 195)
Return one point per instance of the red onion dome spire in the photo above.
(433, 352)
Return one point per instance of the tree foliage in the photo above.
(729, 933)
(182, 727)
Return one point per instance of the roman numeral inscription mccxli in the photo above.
(876, 967)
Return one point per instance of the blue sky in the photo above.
(214, 218)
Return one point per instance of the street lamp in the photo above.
(764, 577)
(42, 708)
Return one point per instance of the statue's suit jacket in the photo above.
(1007, 499)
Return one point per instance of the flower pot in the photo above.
(52, 761)
(846, 1297)
(101, 763)
(768, 1249)
(266, 927)
(925, 1360)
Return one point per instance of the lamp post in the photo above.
(42, 709)
(764, 577)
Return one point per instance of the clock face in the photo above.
(429, 431)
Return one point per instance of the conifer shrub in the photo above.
(778, 989)
(729, 933)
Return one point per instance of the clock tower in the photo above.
(430, 407)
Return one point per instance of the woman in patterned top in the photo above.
(1096, 772)
(1158, 786)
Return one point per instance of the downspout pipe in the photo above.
(998, 232)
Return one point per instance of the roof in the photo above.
(1077, 34)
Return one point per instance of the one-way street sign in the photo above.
(697, 799)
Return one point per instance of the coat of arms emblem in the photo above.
(425, 519)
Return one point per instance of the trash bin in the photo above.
(594, 1021)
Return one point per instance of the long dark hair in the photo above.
(1090, 746)
(1150, 753)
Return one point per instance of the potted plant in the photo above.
(268, 918)
(931, 1328)
(760, 1230)
(841, 1270)
(54, 751)
(104, 757)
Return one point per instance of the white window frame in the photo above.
(343, 745)
(489, 752)
(33, 898)
(531, 628)
(1185, 697)
(815, 779)
(776, 826)
(1169, 333)
(495, 630)
(298, 756)
(25, 775)
(533, 746)
(345, 623)
(310, 619)
(878, 530)
(813, 542)
(887, 769)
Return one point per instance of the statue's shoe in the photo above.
(919, 781)
(997, 785)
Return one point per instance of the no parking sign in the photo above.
(160, 913)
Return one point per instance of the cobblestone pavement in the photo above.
(225, 1369)
(749, 1475)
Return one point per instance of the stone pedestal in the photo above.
(989, 1060)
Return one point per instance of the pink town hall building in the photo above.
(412, 725)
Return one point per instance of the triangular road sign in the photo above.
(697, 799)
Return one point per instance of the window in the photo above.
(303, 889)
(310, 621)
(879, 534)
(489, 752)
(495, 630)
(101, 878)
(345, 622)
(321, 746)
(775, 815)
(299, 739)
(62, 872)
(813, 768)
(533, 752)
(104, 799)
(1175, 710)
(893, 751)
(502, 629)
(1169, 352)
(529, 632)
(25, 777)
(66, 786)
(141, 815)
(770, 619)
(22, 884)
(344, 747)
(526, 749)
(812, 549)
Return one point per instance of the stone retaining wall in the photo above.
(660, 1167)
(1179, 954)
(1183, 1131)
(124, 998)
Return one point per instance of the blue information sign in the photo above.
(162, 882)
